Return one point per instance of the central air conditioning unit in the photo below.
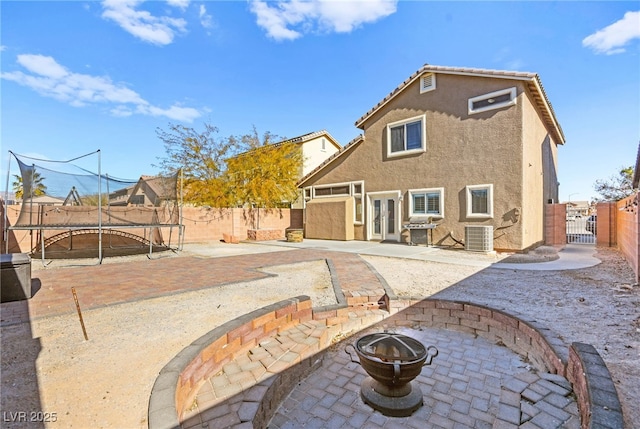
(478, 238)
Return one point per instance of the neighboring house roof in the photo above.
(532, 79)
(353, 143)
(43, 199)
(157, 185)
(310, 136)
(299, 139)
(579, 204)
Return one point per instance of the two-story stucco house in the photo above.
(471, 151)
(316, 147)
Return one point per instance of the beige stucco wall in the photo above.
(314, 154)
(461, 150)
(539, 168)
(330, 219)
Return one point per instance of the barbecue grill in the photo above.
(415, 228)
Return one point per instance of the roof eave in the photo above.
(349, 146)
(543, 101)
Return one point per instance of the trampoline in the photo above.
(60, 200)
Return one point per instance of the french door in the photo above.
(384, 216)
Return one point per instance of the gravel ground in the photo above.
(598, 305)
(105, 382)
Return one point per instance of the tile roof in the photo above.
(299, 139)
(306, 137)
(353, 143)
(532, 79)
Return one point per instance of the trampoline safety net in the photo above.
(65, 194)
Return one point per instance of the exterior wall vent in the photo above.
(427, 83)
(478, 238)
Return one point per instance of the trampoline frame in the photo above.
(100, 226)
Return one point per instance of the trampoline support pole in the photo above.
(5, 226)
(99, 210)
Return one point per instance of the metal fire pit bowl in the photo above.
(392, 362)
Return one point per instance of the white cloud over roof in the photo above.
(158, 30)
(205, 19)
(50, 79)
(288, 20)
(612, 39)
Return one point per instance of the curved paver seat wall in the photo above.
(592, 384)
(525, 336)
(179, 381)
(581, 364)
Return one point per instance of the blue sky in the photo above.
(78, 76)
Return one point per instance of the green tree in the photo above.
(39, 188)
(201, 157)
(233, 171)
(616, 187)
(265, 175)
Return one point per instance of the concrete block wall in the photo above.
(607, 230)
(200, 225)
(628, 230)
(555, 224)
(265, 234)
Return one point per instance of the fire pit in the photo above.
(392, 362)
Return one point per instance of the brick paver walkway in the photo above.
(471, 384)
(108, 284)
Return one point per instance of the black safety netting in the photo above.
(70, 194)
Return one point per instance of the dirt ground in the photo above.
(105, 382)
(598, 305)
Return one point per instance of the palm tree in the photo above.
(38, 187)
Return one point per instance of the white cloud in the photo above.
(338, 16)
(612, 39)
(205, 19)
(182, 4)
(158, 30)
(50, 79)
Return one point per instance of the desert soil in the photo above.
(105, 382)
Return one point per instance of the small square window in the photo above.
(480, 201)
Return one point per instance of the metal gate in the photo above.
(581, 229)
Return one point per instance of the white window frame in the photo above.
(489, 213)
(358, 196)
(423, 144)
(512, 91)
(352, 193)
(332, 185)
(440, 191)
(429, 88)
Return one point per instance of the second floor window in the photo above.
(406, 136)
